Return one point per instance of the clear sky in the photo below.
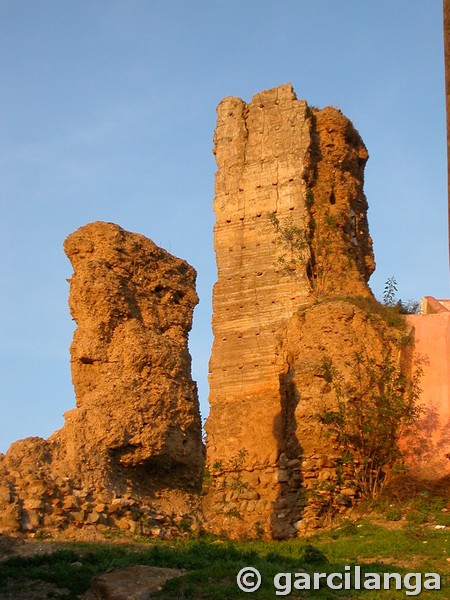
(108, 111)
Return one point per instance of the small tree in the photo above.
(375, 405)
(306, 249)
(408, 307)
(295, 243)
(390, 289)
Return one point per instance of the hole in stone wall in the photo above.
(86, 361)
(177, 296)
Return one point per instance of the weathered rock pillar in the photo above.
(130, 454)
(131, 369)
(275, 156)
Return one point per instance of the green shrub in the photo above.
(375, 405)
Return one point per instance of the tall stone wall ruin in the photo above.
(276, 156)
(294, 257)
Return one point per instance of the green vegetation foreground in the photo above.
(410, 539)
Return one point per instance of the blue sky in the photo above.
(107, 112)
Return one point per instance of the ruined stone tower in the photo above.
(130, 455)
(276, 156)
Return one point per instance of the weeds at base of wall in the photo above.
(233, 468)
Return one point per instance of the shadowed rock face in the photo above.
(275, 156)
(136, 427)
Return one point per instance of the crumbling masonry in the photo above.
(278, 156)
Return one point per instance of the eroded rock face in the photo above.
(320, 483)
(136, 429)
(131, 367)
(303, 481)
(338, 205)
(305, 167)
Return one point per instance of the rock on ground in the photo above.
(130, 583)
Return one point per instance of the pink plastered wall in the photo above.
(431, 331)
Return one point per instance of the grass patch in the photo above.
(391, 315)
(212, 564)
